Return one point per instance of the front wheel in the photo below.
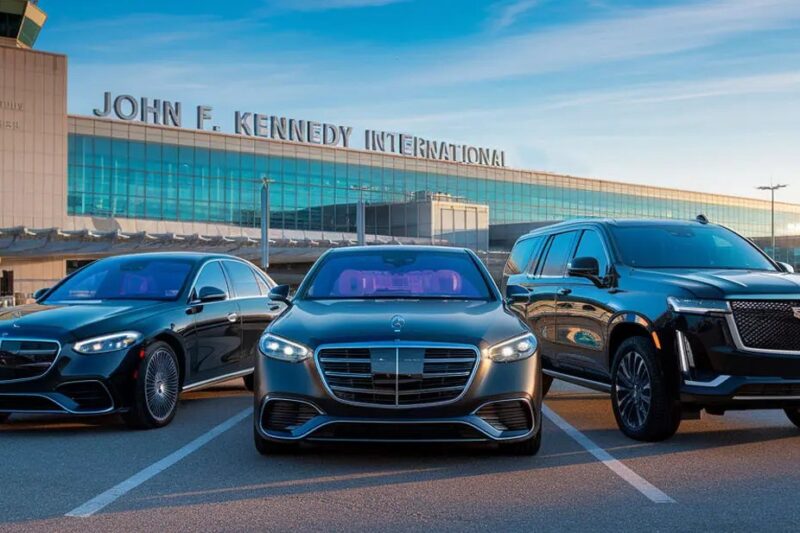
(793, 415)
(156, 389)
(645, 405)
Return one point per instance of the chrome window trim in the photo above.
(231, 297)
(737, 340)
(211, 381)
(397, 345)
(24, 339)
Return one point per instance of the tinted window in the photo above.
(243, 279)
(211, 276)
(125, 278)
(557, 254)
(398, 274)
(686, 246)
(521, 256)
(591, 245)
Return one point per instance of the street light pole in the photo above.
(361, 216)
(265, 223)
(772, 188)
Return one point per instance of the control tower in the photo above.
(20, 22)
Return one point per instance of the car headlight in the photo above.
(283, 349)
(514, 349)
(108, 343)
(700, 307)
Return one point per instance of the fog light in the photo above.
(685, 354)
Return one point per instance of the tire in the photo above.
(156, 389)
(249, 382)
(268, 447)
(793, 415)
(529, 446)
(547, 382)
(645, 403)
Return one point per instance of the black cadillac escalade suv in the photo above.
(670, 317)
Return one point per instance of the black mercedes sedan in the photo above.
(398, 344)
(127, 334)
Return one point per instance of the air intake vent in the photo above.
(507, 416)
(89, 395)
(286, 415)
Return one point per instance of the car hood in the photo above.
(721, 284)
(478, 323)
(61, 321)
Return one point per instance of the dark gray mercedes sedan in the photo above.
(398, 344)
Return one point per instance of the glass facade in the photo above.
(316, 191)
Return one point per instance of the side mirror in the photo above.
(516, 294)
(41, 292)
(786, 267)
(211, 294)
(280, 293)
(584, 267)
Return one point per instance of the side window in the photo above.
(211, 276)
(243, 279)
(591, 245)
(557, 255)
(521, 256)
(263, 282)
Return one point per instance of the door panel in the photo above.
(256, 309)
(218, 329)
(583, 314)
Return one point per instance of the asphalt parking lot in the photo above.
(737, 472)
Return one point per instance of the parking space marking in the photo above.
(635, 480)
(114, 493)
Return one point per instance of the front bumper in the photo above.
(75, 384)
(327, 419)
(727, 375)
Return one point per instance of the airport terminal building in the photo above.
(145, 174)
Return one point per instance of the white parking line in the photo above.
(635, 480)
(102, 500)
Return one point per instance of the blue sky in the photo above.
(700, 94)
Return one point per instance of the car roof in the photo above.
(192, 256)
(620, 222)
(397, 247)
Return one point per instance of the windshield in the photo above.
(687, 246)
(398, 274)
(125, 278)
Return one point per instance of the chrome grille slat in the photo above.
(408, 375)
(26, 359)
(767, 324)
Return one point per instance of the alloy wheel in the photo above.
(634, 390)
(161, 385)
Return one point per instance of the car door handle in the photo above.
(233, 317)
(564, 291)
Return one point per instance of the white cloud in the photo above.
(507, 14)
(326, 5)
(627, 35)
